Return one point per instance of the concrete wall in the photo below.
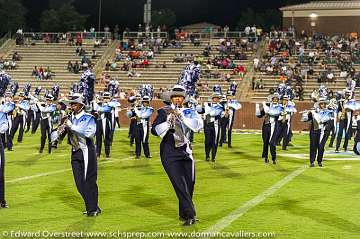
(245, 118)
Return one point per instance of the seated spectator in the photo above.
(93, 55)
(6, 64)
(97, 43)
(48, 73)
(12, 65)
(70, 66)
(164, 65)
(35, 71)
(108, 65)
(78, 40)
(113, 66)
(16, 56)
(76, 67)
(145, 62)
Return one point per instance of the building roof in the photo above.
(201, 25)
(324, 5)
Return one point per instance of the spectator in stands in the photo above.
(164, 65)
(108, 65)
(113, 66)
(35, 72)
(78, 40)
(16, 56)
(97, 43)
(12, 65)
(93, 55)
(70, 66)
(76, 67)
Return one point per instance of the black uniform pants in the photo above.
(284, 134)
(223, 125)
(132, 131)
(211, 140)
(342, 129)
(84, 167)
(331, 132)
(45, 127)
(29, 119)
(317, 145)
(2, 173)
(269, 141)
(180, 173)
(35, 122)
(103, 132)
(139, 140)
(18, 123)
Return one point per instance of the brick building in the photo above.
(328, 17)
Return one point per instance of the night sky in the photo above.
(130, 12)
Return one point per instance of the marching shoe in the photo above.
(189, 222)
(3, 204)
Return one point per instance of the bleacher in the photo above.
(166, 77)
(310, 82)
(53, 55)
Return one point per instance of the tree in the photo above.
(64, 18)
(161, 17)
(12, 15)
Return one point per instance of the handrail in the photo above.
(127, 35)
(5, 38)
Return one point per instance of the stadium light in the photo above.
(313, 16)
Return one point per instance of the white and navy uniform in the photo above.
(212, 113)
(319, 119)
(4, 126)
(285, 124)
(356, 148)
(8, 109)
(233, 106)
(35, 118)
(176, 153)
(345, 113)
(20, 111)
(332, 125)
(141, 129)
(115, 116)
(270, 128)
(104, 128)
(46, 124)
(83, 158)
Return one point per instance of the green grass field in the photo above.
(136, 195)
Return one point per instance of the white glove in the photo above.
(68, 123)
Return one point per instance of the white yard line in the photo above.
(62, 171)
(237, 213)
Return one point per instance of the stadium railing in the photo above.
(135, 35)
(282, 34)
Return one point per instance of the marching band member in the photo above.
(332, 127)
(8, 109)
(46, 109)
(19, 117)
(319, 118)
(81, 128)
(345, 113)
(270, 111)
(104, 125)
(212, 113)
(356, 147)
(171, 124)
(132, 101)
(4, 126)
(285, 121)
(142, 113)
(232, 105)
(224, 121)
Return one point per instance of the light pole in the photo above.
(99, 20)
